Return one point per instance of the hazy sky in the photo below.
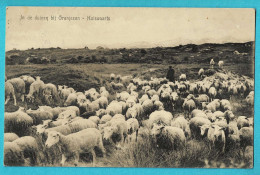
(127, 27)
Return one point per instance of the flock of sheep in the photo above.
(169, 112)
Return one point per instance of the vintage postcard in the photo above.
(129, 87)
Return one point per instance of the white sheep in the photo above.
(71, 100)
(160, 117)
(68, 114)
(117, 127)
(114, 108)
(215, 135)
(19, 87)
(212, 93)
(9, 137)
(188, 106)
(132, 127)
(220, 64)
(212, 62)
(182, 77)
(173, 137)
(77, 143)
(181, 122)
(242, 121)
(9, 92)
(201, 72)
(195, 124)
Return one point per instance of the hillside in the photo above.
(229, 53)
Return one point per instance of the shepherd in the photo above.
(170, 74)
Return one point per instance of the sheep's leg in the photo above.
(14, 99)
(94, 157)
(7, 99)
(101, 146)
(76, 159)
(136, 135)
(63, 159)
(22, 97)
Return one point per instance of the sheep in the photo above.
(39, 116)
(158, 105)
(104, 94)
(210, 106)
(56, 111)
(242, 121)
(132, 127)
(112, 76)
(114, 108)
(50, 123)
(19, 87)
(182, 77)
(81, 124)
(68, 114)
(201, 72)
(100, 112)
(81, 99)
(117, 128)
(73, 108)
(155, 98)
(131, 101)
(160, 117)
(229, 116)
(151, 92)
(102, 89)
(105, 119)
(225, 105)
(147, 106)
(212, 93)
(28, 80)
(36, 89)
(212, 62)
(188, 106)
(118, 116)
(103, 102)
(29, 146)
(250, 100)
(246, 135)
(92, 107)
(71, 100)
(95, 119)
(143, 98)
(9, 137)
(220, 64)
(9, 92)
(74, 144)
(117, 86)
(13, 155)
(43, 129)
(64, 93)
(168, 137)
(181, 122)
(50, 92)
(218, 115)
(198, 113)
(215, 136)
(17, 122)
(232, 136)
(195, 124)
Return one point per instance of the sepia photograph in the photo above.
(129, 87)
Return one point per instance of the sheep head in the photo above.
(53, 138)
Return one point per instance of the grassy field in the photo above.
(85, 76)
(143, 153)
